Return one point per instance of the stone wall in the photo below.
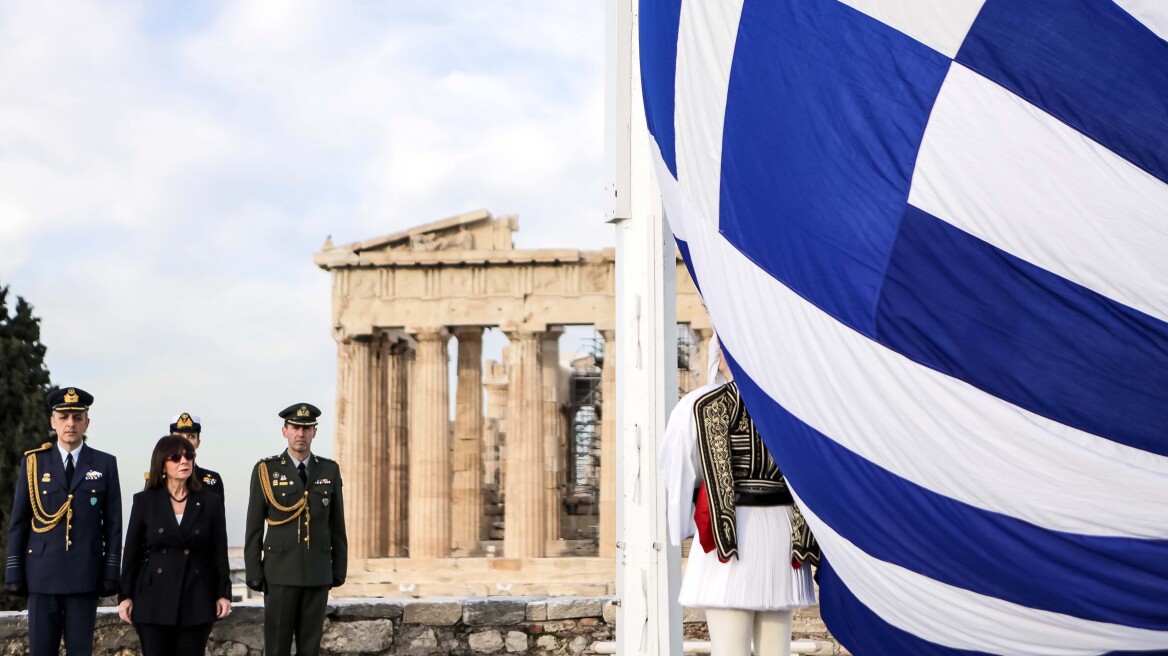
(472, 627)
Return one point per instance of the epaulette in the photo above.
(44, 447)
(323, 459)
(270, 458)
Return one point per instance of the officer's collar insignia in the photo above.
(71, 396)
(302, 411)
(184, 421)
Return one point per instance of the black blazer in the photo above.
(175, 573)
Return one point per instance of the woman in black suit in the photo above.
(175, 575)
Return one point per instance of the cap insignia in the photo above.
(302, 411)
(71, 396)
(184, 421)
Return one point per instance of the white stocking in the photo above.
(729, 631)
(772, 633)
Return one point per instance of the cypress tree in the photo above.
(24, 418)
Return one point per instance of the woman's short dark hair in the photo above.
(168, 446)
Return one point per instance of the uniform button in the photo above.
(159, 570)
(196, 531)
(164, 551)
(161, 530)
(186, 552)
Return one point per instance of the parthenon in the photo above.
(415, 479)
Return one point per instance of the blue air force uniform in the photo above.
(65, 538)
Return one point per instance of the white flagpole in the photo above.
(648, 571)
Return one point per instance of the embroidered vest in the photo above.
(739, 471)
(735, 462)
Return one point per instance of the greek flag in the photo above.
(933, 239)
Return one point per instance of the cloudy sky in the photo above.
(168, 169)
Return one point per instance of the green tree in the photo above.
(24, 419)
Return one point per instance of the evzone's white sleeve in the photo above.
(680, 466)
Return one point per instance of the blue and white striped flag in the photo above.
(933, 238)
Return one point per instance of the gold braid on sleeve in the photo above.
(47, 521)
(294, 511)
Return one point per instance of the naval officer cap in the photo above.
(69, 399)
(186, 423)
(300, 414)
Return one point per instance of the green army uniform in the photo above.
(304, 551)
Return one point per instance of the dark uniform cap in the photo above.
(69, 399)
(300, 414)
(186, 423)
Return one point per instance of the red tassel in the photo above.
(795, 563)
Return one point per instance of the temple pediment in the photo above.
(471, 231)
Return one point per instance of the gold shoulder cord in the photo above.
(48, 521)
(296, 510)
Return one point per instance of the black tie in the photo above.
(69, 470)
(303, 474)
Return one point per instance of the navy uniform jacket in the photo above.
(40, 560)
(283, 556)
(175, 572)
(212, 481)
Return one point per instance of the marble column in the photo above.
(553, 428)
(525, 504)
(429, 447)
(354, 444)
(398, 359)
(467, 483)
(495, 382)
(607, 539)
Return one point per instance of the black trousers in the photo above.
(169, 640)
(51, 616)
(294, 612)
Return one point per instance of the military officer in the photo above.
(191, 427)
(305, 551)
(65, 537)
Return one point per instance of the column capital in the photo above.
(462, 333)
(362, 338)
(440, 334)
(517, 333)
